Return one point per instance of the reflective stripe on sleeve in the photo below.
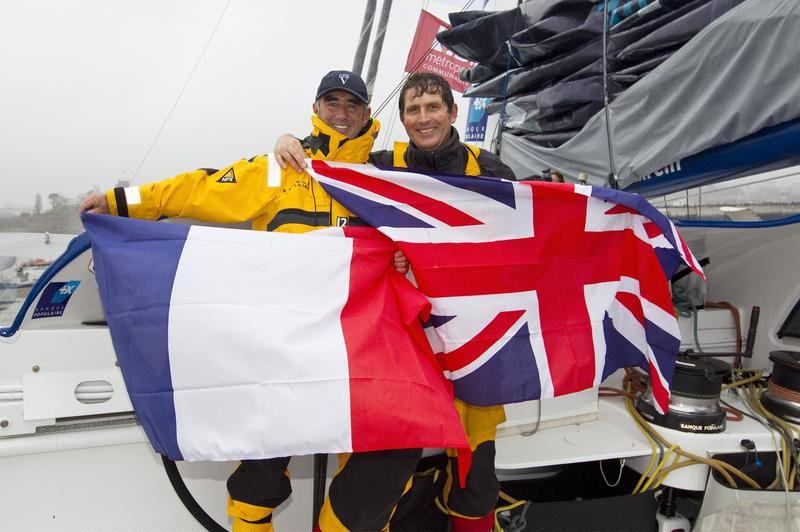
(273, 171)
(132, 195)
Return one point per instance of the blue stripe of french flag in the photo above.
(242, 345)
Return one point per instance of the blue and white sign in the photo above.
(54, 299)
(476, 120)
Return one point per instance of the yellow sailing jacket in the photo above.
(255, 190)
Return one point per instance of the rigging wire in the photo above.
(612, 165)
(180, 94)
(413, 69)
(390, 128)
(502, 121)
(396, 112)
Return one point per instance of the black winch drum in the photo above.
(782, 397)
(694, 402)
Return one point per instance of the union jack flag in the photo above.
(536, 289)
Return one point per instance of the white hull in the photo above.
(122, 487)
(109, 479)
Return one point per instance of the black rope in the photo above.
(187, 499)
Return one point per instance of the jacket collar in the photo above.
(451, 157)
(327, 143)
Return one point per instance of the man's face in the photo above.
(343, 112)
(427, 120)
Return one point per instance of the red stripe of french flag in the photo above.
(384, 339)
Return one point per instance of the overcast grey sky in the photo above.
(86, 84)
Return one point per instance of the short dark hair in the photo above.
(427, 83)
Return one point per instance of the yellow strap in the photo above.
(242, 512)
(400, 154)
(473, 168)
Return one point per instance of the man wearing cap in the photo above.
(367, 486)
(428, 110)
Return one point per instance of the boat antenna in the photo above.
(612, 166)
(363, 40)
(180, 94)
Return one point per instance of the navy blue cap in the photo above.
(343, 80)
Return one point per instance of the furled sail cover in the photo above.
(686, 78)
(565, 44)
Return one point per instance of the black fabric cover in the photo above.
(479, 39)
(458, 18)
(641, 68)
(477, 74)
(570, 119)
(621, 37)
(528, 79)
(653, 11)
(676, 32)
(556, 35)
(551, 139)
(543, 61)
(556, 98)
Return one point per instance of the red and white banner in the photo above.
(427, 55)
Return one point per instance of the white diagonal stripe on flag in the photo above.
(468, 323)
(598, 298)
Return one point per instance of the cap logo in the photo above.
(344, 78)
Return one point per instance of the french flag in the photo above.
(243, 345)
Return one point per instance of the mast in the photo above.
(363, 40)
(372, 73)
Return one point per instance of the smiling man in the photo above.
(367, 485)
(341, 103)
(428, 111)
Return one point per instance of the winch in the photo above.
(782, 397)
(696, 386)
(694, 402)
